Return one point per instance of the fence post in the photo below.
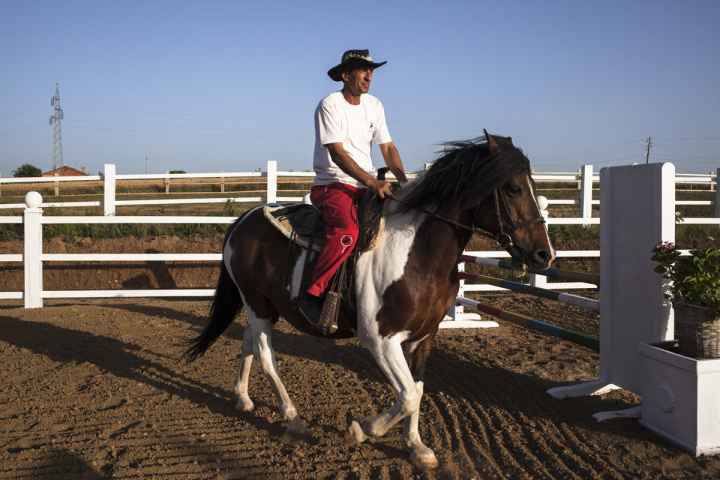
(540, 281)
(271, 181)
(109, 187)
(33, 249)
(717, 195)
(57, 185)
(456, 311)
(167, 182)
(579, 183)
(222, 181)
(712, 184)
(586, 173)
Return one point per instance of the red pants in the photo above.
(335, 201)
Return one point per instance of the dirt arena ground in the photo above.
(94, 389)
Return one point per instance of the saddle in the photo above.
(305, 226)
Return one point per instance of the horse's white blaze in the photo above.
(547, 234)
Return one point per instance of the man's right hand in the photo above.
(382, 188)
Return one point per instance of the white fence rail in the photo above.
(584, 179)
(33, 256)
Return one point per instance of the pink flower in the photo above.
(667, 245)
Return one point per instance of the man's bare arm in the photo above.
(392, 160)
(343, 160)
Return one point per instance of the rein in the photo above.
(503, 239)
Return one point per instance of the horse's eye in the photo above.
(515, 190)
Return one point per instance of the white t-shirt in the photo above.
(353, 125)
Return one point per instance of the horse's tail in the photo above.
(225, 306)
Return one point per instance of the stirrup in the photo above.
(328, 317)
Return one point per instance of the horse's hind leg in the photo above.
(243, 372)
(261, 315)
(420, 455)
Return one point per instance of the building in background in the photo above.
(66, 171)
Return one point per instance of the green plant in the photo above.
(27, 170)
(696, 279)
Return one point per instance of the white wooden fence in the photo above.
(584, 177)
(33, 256)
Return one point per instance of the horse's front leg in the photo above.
(416, 355)
(389, 356)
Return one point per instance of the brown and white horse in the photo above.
(404, 286)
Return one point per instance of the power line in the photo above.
(188, 133)
(196, 128)
(688, 156)
(597, 150)
(578, 162)
(12, 92)
(475, 123)
(25, 126)
(191, 114)
(26, 111)
(25, 130)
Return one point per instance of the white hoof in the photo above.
(354, 434)
(244, 404)
(424, 458)
(296, 427)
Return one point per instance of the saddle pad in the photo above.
(282, 223)
(281, 220)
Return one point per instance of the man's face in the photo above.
(357, 80)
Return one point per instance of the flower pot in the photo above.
(680, 398)
(698, 335)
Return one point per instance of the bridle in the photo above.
(503, 239)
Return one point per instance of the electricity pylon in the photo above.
(57, 158)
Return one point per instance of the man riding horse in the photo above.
(346, 122)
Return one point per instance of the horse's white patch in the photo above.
(227, 258)
(377, 269)
(410, 347)
(265, 356)
(297, 274)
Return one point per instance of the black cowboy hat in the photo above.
(351, 59)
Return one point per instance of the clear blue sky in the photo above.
(227, 85)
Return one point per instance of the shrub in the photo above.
(27, 170)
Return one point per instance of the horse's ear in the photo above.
(509, 139)
(490, 141)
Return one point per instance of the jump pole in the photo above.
(536, 291)
(457, 318)
(564, 275)
(637, 210)
(532, 324)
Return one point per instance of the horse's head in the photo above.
(464, 183)
(512, 214)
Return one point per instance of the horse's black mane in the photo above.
(466, 173)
